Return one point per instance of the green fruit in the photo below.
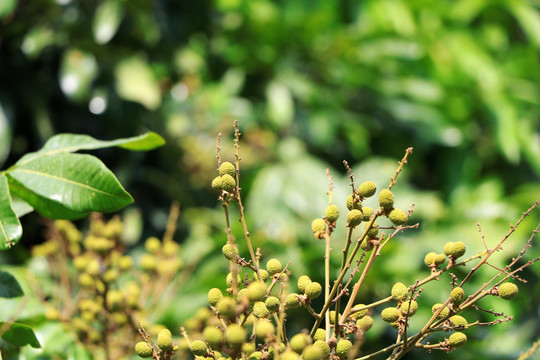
(264, 329)
(164, 340)
(333, 317)
(444, 312)
(397, 217)
(226, 307)
(143, 349)
(273, 266)
(365, 323)
(399, 291)
(458, 320)
(152, 244)
(227, 168)
(229, 184)
(429, 259)
(373, 231)
(299, 342)
(331, 214)
(312, 352)
(260, 311)
(320, 334)
(256, 355)
(319, 227)
(358, 314)
(248, 348)
(217, 184)
(256, 291)
(214, 296)
(367, 189)
(456, 250)
(367, 212)
(508, 290)
(230, 251)
(313, 290)
(439, 259)
(241, 294)
(272, 303)
(324, 348)
(264, 275)
(448, 248)
(290, 355)
(390, 314)
(457, 296)
(366, 245)
(148, 262)
(409, 307)
(343, 347)
(198, 348)
(352, 204)
(213, 336)
(303, 282)
(386, 199)
(229, 279)
(354, 218)
(457, 339)
(292, 301)
(235, 335)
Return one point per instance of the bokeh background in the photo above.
(311, 83)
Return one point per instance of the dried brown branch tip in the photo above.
(246, 316)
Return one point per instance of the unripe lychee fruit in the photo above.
(256, 291)
(429, 259)
(333, 317)
(354, 218)
(313, 290)
(299, 342)
(386, 199)
(227, 168)
(448, 248)
(319, 227)
(343, 347)
(235, 335)
(152, 244)
(292, 301)
(324, 348)
(217, 184)
(358, 314)
(164, 340)
(229, 184)
(273, 266)
(365, 323)
(367, 189)
(290, 355)
(256, 355)
(397, 217)
(303, 282)
(457, 296)
(508, 290)
(272, 303)
(390, 314)
(230, 251)
(439, 259)
(409, 307)
(373, 231)
(213, 336)
(143, 349)
(198, 348)
(399, 291)
(457, 339)
(260, 311)
(367, 212)
(264, 329)
(214, 295)
(331, 214)
(312, 352)
(455, 250)
(226, 307)
(458, 320)
(444, 312)
(320, 334)
(351, 204)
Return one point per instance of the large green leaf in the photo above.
(68, 186)
(67, 143)
(19, 335)
(10, 227)
(9, 287)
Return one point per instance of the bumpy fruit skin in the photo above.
(324, 348)
(272, 303)
(303, 282)
(235, 335)
(164, 340)
(318, 226)
(455, 250)
(386, 199)
(367, 212)
(299, 342)
(292, 301)
(260, 311)
(273, 266)
(229, 184)
(358, 314)
(214, 295)
(374, 231)
(399, 291)
(331, 214)
(264, 329)
(458, 320)
(143, 349)
(448, 248)
(430, 257)
(198, 348)
(152, 244)
(343, 347)
(354, 218)
(226, 307)
(320, 334)
(333, 317)
(367, 189)
(508, 290)
(397, 217)
(290, 355)
(444, 312)
(457, 339)
(351, 204)
(227, 168)
(230, 251)
(217, 184)
(390, 314)
(256, 355)
(409, 308)
(457, 296)
(439, 259)
(213, 336)
(365, 323)
(312, 352)
(256, 291)
(313, 290)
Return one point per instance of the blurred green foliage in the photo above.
(312, 83)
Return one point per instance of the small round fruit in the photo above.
(198, 348)
(313, 290)
(235, 335)
(230, 251)
(352, 204)
(260, 311)
(226, 307)
(390, 314)
(508, 290)
(456, 250)
(143, 349)
(365, 323)
(299, 342)
(272, 303)
(217, 184)
(164, 340)
(320, 334)
(444, 312)
(312, 352)
(354, 218)
(458, 320)
(343, 347)
(318, 226)
(373, 231)
(367, 189)
(292, 301)
(457, 339)
(399, 291)
(386, 199)
(457, 296)
(409, 308)
(331, 214)
(214, 295)
(229, 184)
(367, 212)
(429, 259)
(273, 266)
(264, 329)
(324, 348)
(213, 336)
(256, 291)
(227, 168)
(397, 217)
(303, 282)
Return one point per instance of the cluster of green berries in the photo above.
(226, 179)
(453, 250)
(165, 347)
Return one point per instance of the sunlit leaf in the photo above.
(9, 287)
(10, 227)
(135, 82)
(19, 335)
(107, 20)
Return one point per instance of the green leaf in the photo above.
(136, 82)
(20, 335)
(68, 186)
(9, 287)
(106, 21)
(68, 143)
(20, 206)
(10, 227)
